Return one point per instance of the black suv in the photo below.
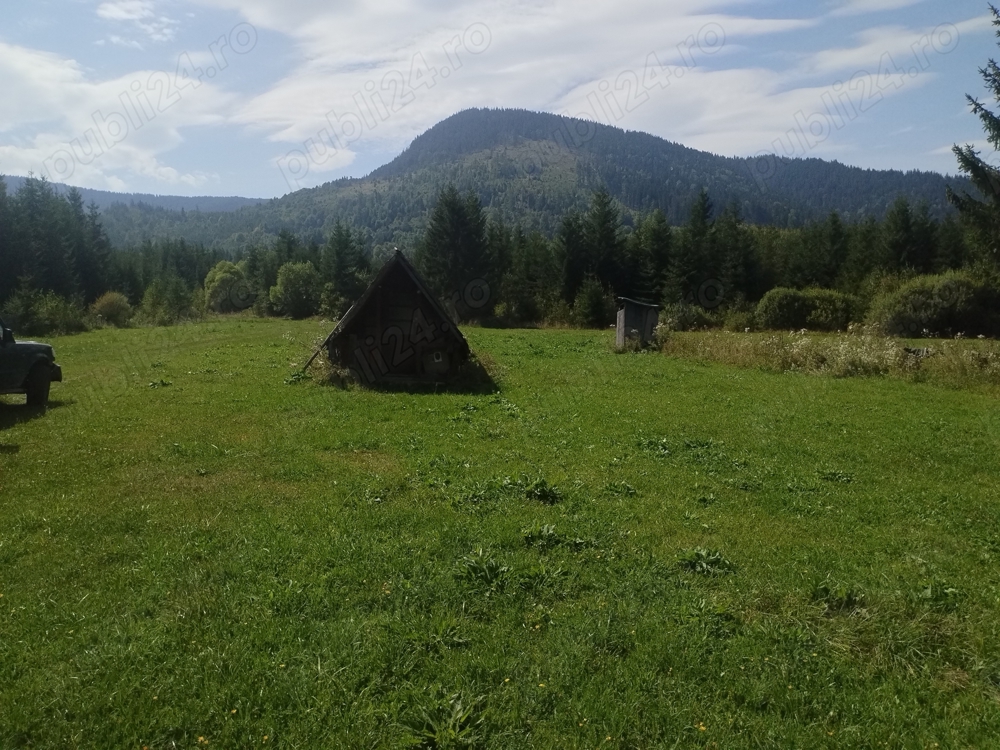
(27, 367)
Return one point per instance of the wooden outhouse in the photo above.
(398, 331)
(636, 321)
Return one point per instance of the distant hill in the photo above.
(531, 169)
(105, 199)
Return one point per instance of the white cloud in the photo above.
(96, 132)
(348, 59)
(126, 10)
(130, 43)
(858, 7)
(530, 54)
(918, 49)
(142, 15)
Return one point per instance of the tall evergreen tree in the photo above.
(835, 248)
(344, 263)
(603, 235)
(952, 251)
(572, 254)
(898, 245)
(925, 240)
(737, 268)
(862, 258)
(9, 257)
(454, 252)
(691, 260)
(983, 216)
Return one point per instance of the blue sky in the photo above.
(261, 97)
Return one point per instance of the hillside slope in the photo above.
(105, 199)
(531, 168)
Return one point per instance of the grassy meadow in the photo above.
(624, 551)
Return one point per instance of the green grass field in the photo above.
(626, 551)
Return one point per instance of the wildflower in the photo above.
(701, 726)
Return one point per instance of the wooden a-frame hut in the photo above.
(398, 331)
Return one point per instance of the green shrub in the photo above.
(35, 313)
(685, 317)
(555, 311)
(830, 310)
(948, 304)
(226, 289)
(167, 301)
(113, 308)
(813, 309)
(299, 290)
(738, 321)
(592, 308)
(333, 305)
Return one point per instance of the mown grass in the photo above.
(613, 551)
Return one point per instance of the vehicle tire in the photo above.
(38, 384)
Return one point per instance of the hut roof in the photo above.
(638, 302)
(398, 261)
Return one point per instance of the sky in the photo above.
(259, 98)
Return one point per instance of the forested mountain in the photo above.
(104, 199)
(530, 169)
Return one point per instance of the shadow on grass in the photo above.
(473, 378)
(15, 414)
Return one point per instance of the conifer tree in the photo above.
(691, 259)
(603, 235)
(983, 216)
(897, 237)
(572, 255)
(454, 252)
(737, 267)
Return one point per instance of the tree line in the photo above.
(54, 248)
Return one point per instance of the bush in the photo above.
(519, 303)
(333, 305)
(830, 310)
(35, 313)
(944, 305)
(813, 309)
(299, 290)
(226, 289)
(684, 317)
(592, 308)
(739, 320)
(113, 308)
(555, 311)
(166, 301)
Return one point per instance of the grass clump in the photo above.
(541, 491)
(837, 598)
(704, 562)
(485, 570)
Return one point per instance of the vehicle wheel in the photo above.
(38, 384)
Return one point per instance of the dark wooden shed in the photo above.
(398, 331)
(636, 321)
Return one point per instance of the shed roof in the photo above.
(639, 302)
(398, 261)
